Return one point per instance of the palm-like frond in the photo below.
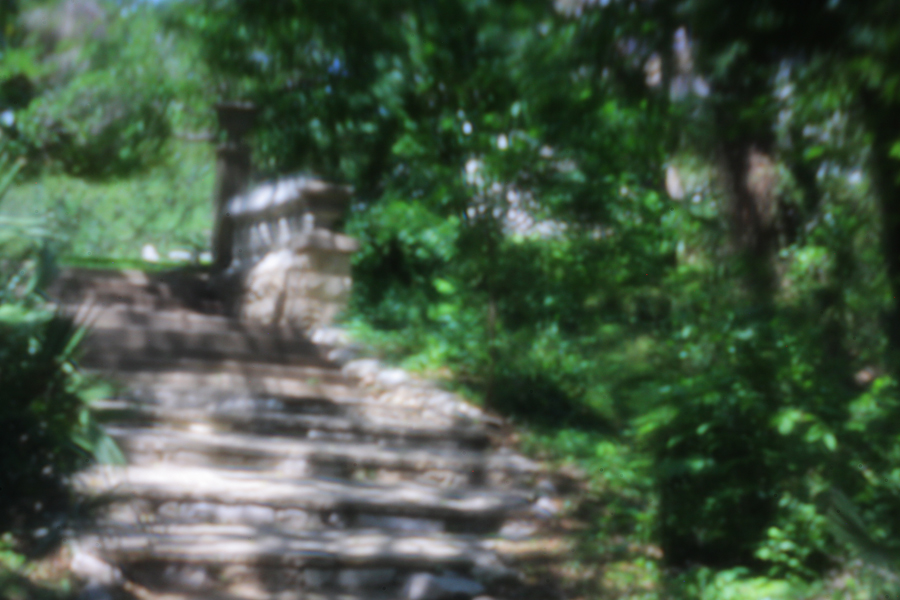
(44, 412)
(8, 174)
(848, 527)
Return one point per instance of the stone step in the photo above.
(249, 545)
(115, 316)
(240, 376)
(200, 383)
(210, 558)
(309, 426)
(271, 407)
(298, 457)
(256, 591)
(252, 403)
(191, 485)
(133, 288)
(261, 471)
(130, 347)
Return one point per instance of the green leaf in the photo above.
(895, 151)
(813, 152)
(444, 287)
(7, 177)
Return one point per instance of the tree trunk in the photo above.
(884, 125)
(749, 175)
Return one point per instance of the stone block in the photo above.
(394, 523)
(449, 586)
(95, 571)
(186, 576)
(317, 579)
(303, 286)
(95, 592)
(357, 580)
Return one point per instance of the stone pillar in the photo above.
(303, 286)
(232, 174)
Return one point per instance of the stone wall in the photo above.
(286, 267)
(302, 286)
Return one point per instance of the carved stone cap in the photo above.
(322, 239)
(290, 196)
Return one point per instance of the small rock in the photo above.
(149, 253)
(426, 586)
(392, 377)
(546, 507)
(518, 530)
(546, 486)
(343, 355)
(189, 576)
(489, 570)
(95, 592)
(336, 520)
(293, 518)
(319, 578)
(330, 336)
(673, 183)
(94, 570)
(245, 514)
(395, 523)
(361, 579)
(180, 255)
(297, 467)
(363, 368)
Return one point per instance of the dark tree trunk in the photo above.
(749, 177)
(884, 125)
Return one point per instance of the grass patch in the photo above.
(169, 206)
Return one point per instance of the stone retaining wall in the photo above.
(288, 268)
(302, 286)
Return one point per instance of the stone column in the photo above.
(232, 174)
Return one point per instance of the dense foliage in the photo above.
(46, 429)
(111, 113)
(84, 92)
(664, 236)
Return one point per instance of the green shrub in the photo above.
(98, 127)
(46, 430)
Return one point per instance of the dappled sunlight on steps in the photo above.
(259, 469)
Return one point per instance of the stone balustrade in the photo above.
(293, 270)
(268, 217)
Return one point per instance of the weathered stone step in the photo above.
(244, 544)
(169, 483)
(240, 376)
(115, 316)
(237, 582)
(129, 347)
(253, 403)
(130, 287)
(298, 457)
(200, 383)
(310, 426)
(256, 591)
(225, 557)
(271, 407)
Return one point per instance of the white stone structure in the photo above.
(293, 270)
(303, 285)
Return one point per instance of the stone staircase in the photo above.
(260, 469)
